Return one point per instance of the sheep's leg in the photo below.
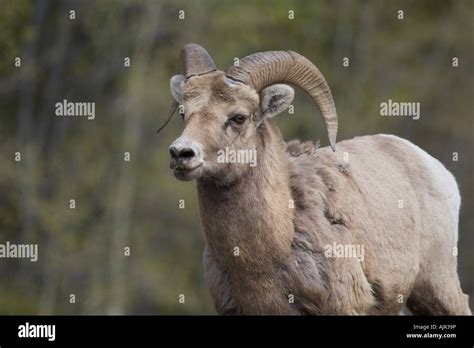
(438, 296)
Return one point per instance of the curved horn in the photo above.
(196, 60)
(263, 69)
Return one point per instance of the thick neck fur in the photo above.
(253, 214)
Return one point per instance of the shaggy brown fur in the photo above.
(377, 191)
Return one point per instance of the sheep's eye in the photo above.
(182, 115)
(239, 119)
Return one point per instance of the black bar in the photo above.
(140, 330)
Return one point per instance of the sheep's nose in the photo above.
(185, 154)
(182, 153)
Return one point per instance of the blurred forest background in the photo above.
(135, 204)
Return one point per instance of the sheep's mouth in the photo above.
(185, 173)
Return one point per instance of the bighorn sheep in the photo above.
(272, 230)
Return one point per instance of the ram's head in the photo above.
(227, 111)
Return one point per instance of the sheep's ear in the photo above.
(275, 99)
(175, 87)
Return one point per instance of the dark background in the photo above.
(135, 204)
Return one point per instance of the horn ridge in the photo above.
(263, 69)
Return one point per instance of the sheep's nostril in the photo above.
(184, 153)
(173, 152)
(187, 153)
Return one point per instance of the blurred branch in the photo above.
(126, 182)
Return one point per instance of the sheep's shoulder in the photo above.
(323, 191)
(320, 180)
